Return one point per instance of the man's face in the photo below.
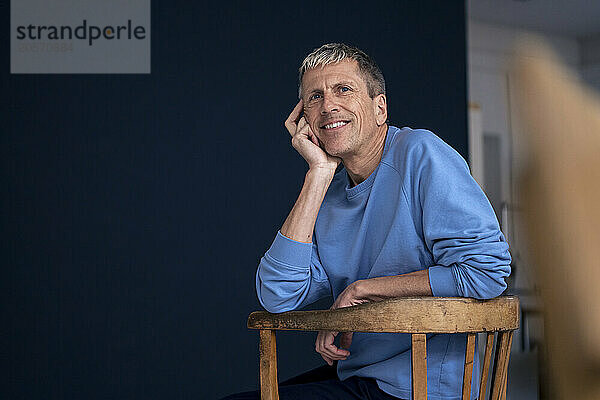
(339, 110)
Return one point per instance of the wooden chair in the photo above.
(417, 316)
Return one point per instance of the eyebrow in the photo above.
(348, 83)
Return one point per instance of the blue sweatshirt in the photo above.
(420, 209)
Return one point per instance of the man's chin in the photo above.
(334, 152)
(332, 148)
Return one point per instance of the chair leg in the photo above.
(485, 369)
(419, 366)
(500, 364)
(268, 365)
(468, 370)
(505, 383)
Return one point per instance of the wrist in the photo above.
(358, 289)
(321, 173)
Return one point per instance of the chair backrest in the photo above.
(415, 315)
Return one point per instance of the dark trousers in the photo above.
(323, 384)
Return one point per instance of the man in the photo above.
(402, 217)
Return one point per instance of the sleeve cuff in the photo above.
(442, 282)
(290, 251)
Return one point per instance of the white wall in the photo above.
(490, 51)
(491, 45)
(493, 112)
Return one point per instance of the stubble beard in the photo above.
(342, 146)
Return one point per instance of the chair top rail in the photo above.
(401, 315)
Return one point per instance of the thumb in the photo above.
(346, 339)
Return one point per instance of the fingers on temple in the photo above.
(293, 118)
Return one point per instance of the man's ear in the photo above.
(380, 104)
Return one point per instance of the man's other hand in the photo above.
(306, 142)
(324, 344)
(328, 350)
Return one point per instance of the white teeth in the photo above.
(335, 125)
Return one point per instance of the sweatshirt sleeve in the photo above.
(470, 254)
(290, 276)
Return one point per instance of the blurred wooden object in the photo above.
(561, 191)
(417, 316)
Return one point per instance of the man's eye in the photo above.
(344, 89)
(314, 97)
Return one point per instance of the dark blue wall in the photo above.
(135, 208)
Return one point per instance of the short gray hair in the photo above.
(332, 53)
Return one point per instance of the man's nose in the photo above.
(329, 104)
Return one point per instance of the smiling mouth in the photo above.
(334, 125)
